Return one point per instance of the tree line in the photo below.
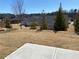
(61, 24)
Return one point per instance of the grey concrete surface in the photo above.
(34, 51)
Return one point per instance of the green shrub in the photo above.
(43, 25)
(7, 23)
(33, 25)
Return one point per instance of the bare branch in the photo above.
(18, 7)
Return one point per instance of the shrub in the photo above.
(33, 25)
(7, 23)
(43, 24)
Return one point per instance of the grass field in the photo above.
(10, 41)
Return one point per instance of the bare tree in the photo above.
(18, 7)
(18, 10)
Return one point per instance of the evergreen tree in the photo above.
(76, 23)
(60, 23)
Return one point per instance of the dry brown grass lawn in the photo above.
(10, 41)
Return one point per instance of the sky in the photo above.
(36, 6)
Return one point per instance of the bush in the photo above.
(43, 22)
(44, 26)
(33, 25)
(7, 24)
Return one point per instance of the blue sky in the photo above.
(36, 6)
